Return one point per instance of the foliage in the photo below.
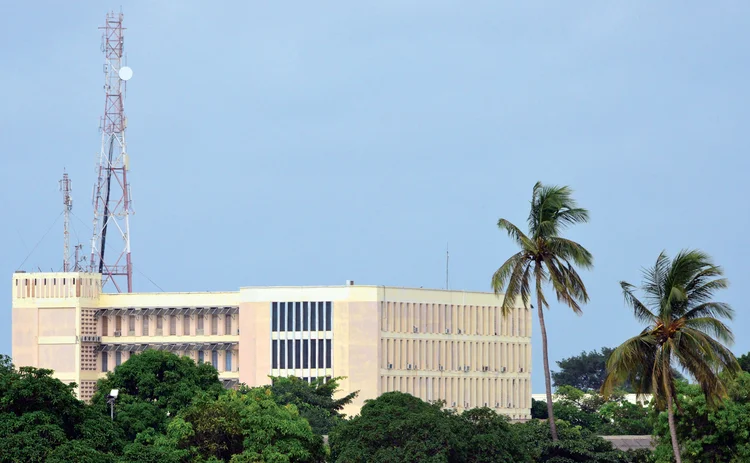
(398, 427)
(744, 362)
(585, 371)
(314, 400)
(539, 409)
(684, 328)
(545, 257)
(162, 378)
(79, 452)
(709, 434)
(488, 437)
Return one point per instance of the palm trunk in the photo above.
(673, 428)
(547, 380)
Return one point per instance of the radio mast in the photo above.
(111, 198)
(65, 189)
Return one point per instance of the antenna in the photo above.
(112, 198)
(65, 188)
(447, 261)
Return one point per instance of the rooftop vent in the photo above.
(349, 282)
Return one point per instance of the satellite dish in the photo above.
(125, 73)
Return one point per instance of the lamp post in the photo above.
(111, 401)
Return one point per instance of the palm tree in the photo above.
(683, 330)
(545, 257)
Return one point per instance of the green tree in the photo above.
(162, 378)
(314, 400)
(684, 329)
(79, 452)
(708, 434)
(398, 427)
(489, 438)
(744, 362)
(214, 427)
(622, 418)
(585, 371)
(545, 257)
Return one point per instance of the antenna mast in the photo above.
(112, 203)
(65, 188)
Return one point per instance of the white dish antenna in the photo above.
(125, 73)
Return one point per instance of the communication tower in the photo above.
(65, 189)
(111, 196)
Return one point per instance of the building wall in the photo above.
(452, 346)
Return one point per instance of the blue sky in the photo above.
(308, 143)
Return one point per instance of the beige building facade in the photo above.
(453, 346)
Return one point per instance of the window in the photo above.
(199, 328)
(172, 325)
(118, 358)
(328, 316)
(215, 359)
(159, 324)
(186, 325)
(282, 354)
(282, 316)
(145, 325)
(274, 316)
(328, 353)
(290, 353)
(321, 317)
(305, 354)
(305, 316)
(228, 361)
(227, 324)
(297, 317)
(274, 354)
(321, 358)
(313, 310)
(297, 353)
(105, 326)
(131, 325)
(290, 316)
(105, 361)
(200, 356)
(313, 355)
(214, 324)
(118, 323)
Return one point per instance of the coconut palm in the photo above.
(545, 257)
(684, 329)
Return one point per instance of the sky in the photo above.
(307, 143)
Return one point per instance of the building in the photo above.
(438, 345)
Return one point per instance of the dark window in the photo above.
(297, 317)
(297, 353)
(290, 353)
(328, 353)
(274, 354)
(305, 316)
(282, 317)
(305, 354)
(321, 317)
(215, 359)
(313, 356)
(200, 356)
(328, 316)
(313, 312)
(282, 354)
(321, 357)
(290, 316)
(118, 358)
(228, 361)
(105, 361)
(274, 317)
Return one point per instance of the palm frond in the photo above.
(632, 361)
(654, 280)
(540, 276)
(710, 309)
(509, 279)
(516, 234)
(562, 285)
(553, 209)
(641, 312)
(570, 251)
(713, 328)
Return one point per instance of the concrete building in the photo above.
(437, 345)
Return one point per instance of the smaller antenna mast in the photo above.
(65, 189)
(447, 261)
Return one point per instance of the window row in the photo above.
(465, 392)
(172, 322)
(301, 353)
(407, 317)
(214, 357)
(301, 316)
(425, 354)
